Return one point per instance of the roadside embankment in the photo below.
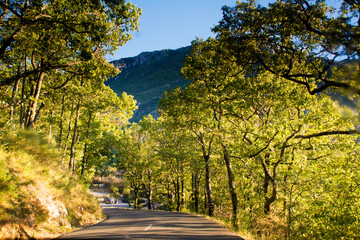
(39, 197)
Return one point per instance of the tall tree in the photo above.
(212, 73)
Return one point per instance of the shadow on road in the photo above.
(137, 224)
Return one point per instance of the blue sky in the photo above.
(171, 24)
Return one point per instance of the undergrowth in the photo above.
(37, 192)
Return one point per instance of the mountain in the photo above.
(147, 76)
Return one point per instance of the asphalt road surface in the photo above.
(139, 224)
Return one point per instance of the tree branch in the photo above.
(328, 133)
(14, 103)
(266, 146)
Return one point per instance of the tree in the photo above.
(300, 41)
(130, 160)
(264, 129)
(184, 109)
(178, 166)
(53, 70)
(105, 114)
(138, 160)
(212, 74)
(47, 44)
(148, 129)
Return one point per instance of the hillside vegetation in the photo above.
(147, 76)
(39, 198)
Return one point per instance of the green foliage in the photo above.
(53, 71)
(299, 41)
(280, 154)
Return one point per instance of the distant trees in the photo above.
(138, 160)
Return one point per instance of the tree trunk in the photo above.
(268, 179)
(208, 186)
(195, 191)
(38, 113)
(74, 138)
(170, 195)
(196, 194)
(149, 190)
(149, 198)
(22, 106)
(178, 202)
(231, 182)
(271, 199)
(33, 103)
(84, 160)
(206, 156)
(14, 91)
(61, 121)
(183, 196)
(206, 202)
(289, 214)
(136, 200)
(182, 186)
(51, 123)
(69, 129)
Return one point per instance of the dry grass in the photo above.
(111, 180)
(270, 227)
(39, 198)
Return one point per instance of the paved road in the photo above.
(136, 224)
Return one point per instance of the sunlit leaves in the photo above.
(284, 144)
(298, 40)
(53, 71)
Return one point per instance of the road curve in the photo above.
(137, 224)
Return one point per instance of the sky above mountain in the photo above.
(171, 24)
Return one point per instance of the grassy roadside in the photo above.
(39, 198)
(247, 235)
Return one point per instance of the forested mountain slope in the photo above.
(147, 76)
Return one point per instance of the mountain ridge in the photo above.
(147, 76)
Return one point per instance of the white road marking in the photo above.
(148, 228)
